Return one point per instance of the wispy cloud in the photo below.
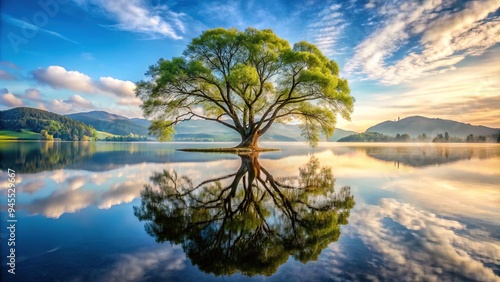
(4, 75)
(31, 28)
(87, 56)
(446, 37)
(220, 11)
(469, 94)
(9, 65)
(139, 17)
(327, 29)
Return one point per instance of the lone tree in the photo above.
(246, 80)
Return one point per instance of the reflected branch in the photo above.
(248, 221)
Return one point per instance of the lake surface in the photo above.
(340, 212)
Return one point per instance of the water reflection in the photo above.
(430, 220)
(248, 221)
(34, 157)
(30, 157)
(405, 241)
(428, 155)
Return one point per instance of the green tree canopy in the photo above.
(246, 80)
(247, 221)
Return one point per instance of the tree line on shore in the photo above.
(439, 138)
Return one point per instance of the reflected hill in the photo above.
(246, 222)
(31, 157)
(421, 156)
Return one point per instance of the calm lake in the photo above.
(355, 212)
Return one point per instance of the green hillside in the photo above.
(15, 135)
(50, 124)
(103, 135)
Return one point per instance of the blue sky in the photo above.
(433, 58)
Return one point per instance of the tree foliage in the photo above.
(247, 221)
(246, 80)
(44, 135)
(126, 138)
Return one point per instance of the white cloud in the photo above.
(135, 267)
(11, 100)
(73, 104)
(136, 16)
(31, 187)
(118, 87)
(79, 101)
(58, 176)
(60, 202)
(59, 78)
(124, 192)
(76, 182)
(447, 37)
(32, 94)
(327, 29)
(58, 106)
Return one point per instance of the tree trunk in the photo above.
(249, 165)
(250, 141)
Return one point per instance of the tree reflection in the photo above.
(248, 221)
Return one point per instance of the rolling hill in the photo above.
(111, 123)
(29, 120)
(416, 125)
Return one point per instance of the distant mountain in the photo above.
(416, 125)
(36, 120)
(112, 123)
(279, 131)
(141, 122)
(191, 130)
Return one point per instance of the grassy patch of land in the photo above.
(23, 135)
(103, 134)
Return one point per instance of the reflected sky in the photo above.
(422, 211)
